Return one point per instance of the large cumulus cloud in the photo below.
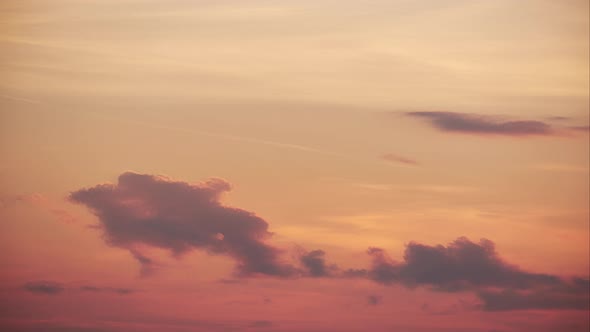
(460, 265)
(464, 265)
(142, 210)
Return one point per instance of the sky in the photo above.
(380, 165)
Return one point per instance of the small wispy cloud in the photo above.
(95, 289)
(558, 118)
(44, 287)
(48, 287)
(221, 136)
(390, 157)
(483, 125)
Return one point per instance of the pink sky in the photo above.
(294, 166)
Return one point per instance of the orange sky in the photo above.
(341, 125)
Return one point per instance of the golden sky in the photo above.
(329, 125)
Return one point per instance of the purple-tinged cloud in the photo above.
(467, 266)
(146, 210)
(150, 211)
(459, 266)
(314, 263)
(44, 287)
(355, 273)
(148, 265)
(483, 125)
(399, 159)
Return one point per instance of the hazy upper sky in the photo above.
(394, 165)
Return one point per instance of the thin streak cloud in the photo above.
(390, 157)
(280, 145)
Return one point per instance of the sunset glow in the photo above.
(294, 166)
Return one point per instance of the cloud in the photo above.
(315, 264)
(261, 324)
(231, 281)
(147, 210)
(373, 300)
(467, 266)
(44, 287)
(54, 288)
(94, 289)
(558, 118)
(399, 159)
(460, 265)
(483, 125)
(450, 309)
(148, 266)
(355, 273)
(151, 211)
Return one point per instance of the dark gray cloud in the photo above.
(315, 264)
(44, 287)
(150, 210)
(467, 266)
(355, 273)
(483, 125)
(460, 265)
(399, 159)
